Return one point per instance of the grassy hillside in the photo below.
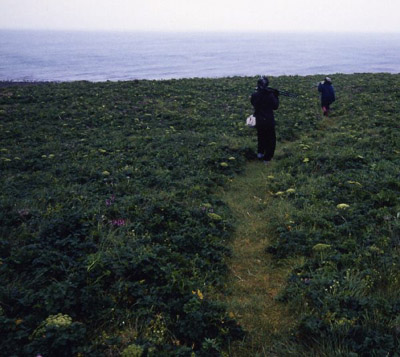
(340, 186)
(114, 239)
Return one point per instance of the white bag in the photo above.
(251, 121)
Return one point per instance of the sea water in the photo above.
(100, 56)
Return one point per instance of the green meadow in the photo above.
(136, 221)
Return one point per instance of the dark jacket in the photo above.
(327, 93)
(264, 103)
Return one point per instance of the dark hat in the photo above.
(262, 82)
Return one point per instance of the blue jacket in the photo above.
(327, 93)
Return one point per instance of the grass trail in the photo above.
(255, 279)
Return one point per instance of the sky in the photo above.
(203, 15)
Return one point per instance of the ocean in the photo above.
(117, 56)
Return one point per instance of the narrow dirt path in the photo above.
(255, 278)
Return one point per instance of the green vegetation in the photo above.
(256, 279)
(331, 210)
(115, 236)
(342, 185)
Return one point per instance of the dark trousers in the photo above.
(266, 141)
(325, 108)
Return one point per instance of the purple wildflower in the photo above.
(110, 201)
(118, 222)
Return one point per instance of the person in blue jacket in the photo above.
(327, 94)
(265, 101)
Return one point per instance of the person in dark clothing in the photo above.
(327, 94)
(265, 101)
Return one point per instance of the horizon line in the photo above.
(199, 31)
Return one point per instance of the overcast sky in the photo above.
(203, 15)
